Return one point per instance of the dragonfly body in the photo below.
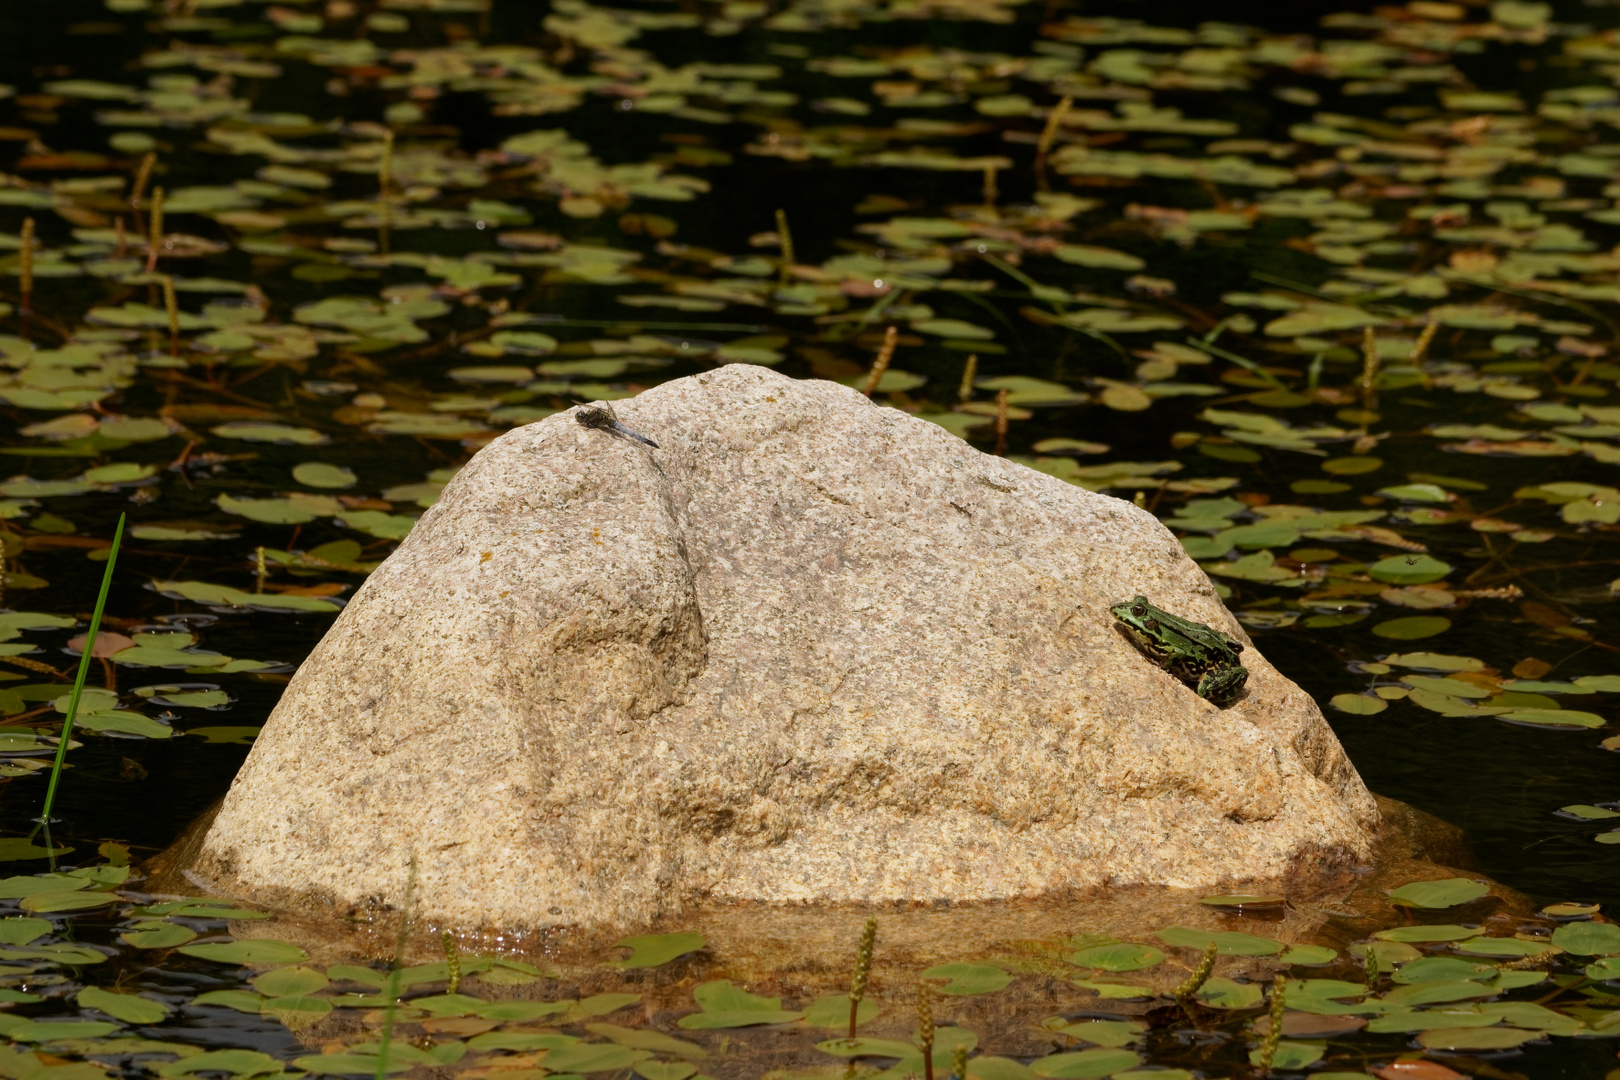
(600, 416)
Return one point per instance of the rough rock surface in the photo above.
(810, 649)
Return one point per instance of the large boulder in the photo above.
(808, 649)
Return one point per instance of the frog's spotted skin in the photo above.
(1204, 659)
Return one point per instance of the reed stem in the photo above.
(84, 670)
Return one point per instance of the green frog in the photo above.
(1204, 659)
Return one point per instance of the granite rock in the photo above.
(808, 650)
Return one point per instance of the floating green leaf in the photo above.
(252, 951)
(968, 979)
(130, 1008)
(1443, 893)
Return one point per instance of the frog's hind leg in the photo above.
(1223, 687)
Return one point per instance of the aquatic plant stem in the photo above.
(142, 175)
(393, 972)
(1054, 122)
(970, 371)
(925, 1028)
(1002, 397)
(385, 181)
(1369, 368)
(171, 307)
(784, 237)
(154, 236)
(84, 669)
(25, 266)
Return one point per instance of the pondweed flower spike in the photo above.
(452, 962)
(959, 1061)
(970, 371)
(925, 1027)
(1279, 1005)
(1200, 974)
(886, 353)
(1370, 963)
(1421, 349)
(863, 970)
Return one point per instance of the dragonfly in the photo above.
(601, 417)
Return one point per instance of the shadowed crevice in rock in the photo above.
(809, 649)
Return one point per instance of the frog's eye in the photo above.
(1152, 625)
(1138, 610)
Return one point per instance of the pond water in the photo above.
(1332, 292)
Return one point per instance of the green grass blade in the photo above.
(84, 669)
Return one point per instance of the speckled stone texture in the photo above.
(811, 649)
